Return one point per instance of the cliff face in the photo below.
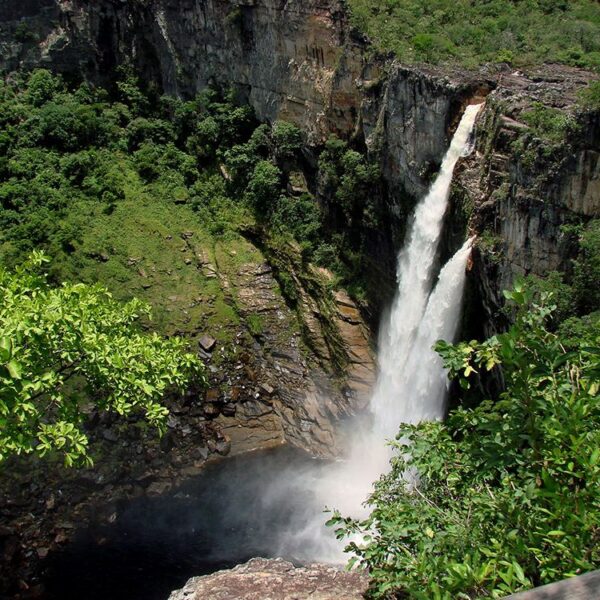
(300, 61)
(522, 188)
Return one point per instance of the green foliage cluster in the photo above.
(468, 33)
(61, 346)
(74, 152)
(589, 97)
(549, 123)
(502, 497)
(351, 187)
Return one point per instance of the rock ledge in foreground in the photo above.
(275, 579)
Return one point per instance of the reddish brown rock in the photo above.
(276, 579)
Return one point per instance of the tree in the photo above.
(287, 139)
(264, 186)
(60, 346)
(501, 497)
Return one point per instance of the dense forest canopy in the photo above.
(77, 161)
(474, 32)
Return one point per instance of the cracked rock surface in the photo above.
(276, 579)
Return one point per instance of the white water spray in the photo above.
(401, 361)
(412, 383)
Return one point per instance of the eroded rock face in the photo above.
(522, 189)
(298, 61)
(275, 579)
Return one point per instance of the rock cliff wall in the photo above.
(298, 61)
(301, 61)
(521, 188)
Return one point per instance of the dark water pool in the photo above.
(236, 509)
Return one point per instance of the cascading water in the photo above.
(412, 382)
(273, 502)
(405, 356)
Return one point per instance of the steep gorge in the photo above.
(302, 62)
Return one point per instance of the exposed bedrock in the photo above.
(519, 189)
(276, 579)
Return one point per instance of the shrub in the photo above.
(550, 123)
(264, 187)
(287, 139)
(42, 86)
(501, 497)
(590, 96)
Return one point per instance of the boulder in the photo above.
(207, 343)
(276, 579)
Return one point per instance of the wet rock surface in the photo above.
(519, 189)
(262, 579)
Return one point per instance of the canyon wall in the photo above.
(298, 61)
(301, 61)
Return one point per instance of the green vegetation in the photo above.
(551, 124)
(508, 492)
(519, 32)
(61, 347)
(589, 97)
(162, 199)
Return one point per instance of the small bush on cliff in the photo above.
(590, 96)
(501, 497)
(58, 342)
(549, 123)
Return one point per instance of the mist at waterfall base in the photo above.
(412, 383)
(236, 509)
(271, 503)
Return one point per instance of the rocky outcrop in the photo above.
(520, 189)
(276, 579)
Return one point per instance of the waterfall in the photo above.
(406, 361)
(412, 383)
